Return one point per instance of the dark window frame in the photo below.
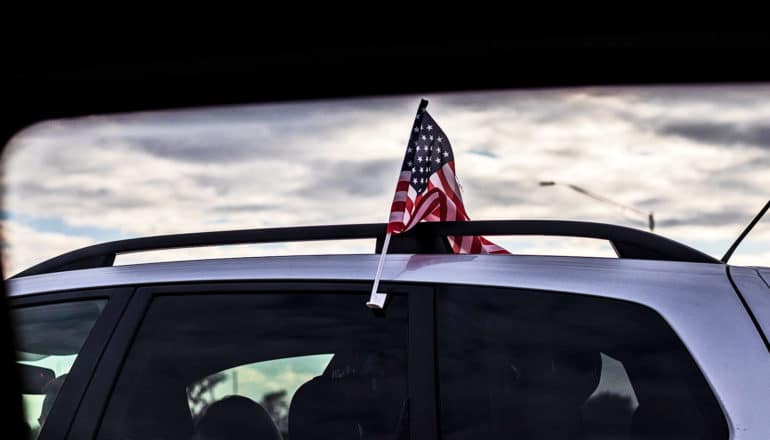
(73, 391)
(422, 392)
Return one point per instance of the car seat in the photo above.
(235, 417)
(359, 395)
(666, 411)
(545, 392)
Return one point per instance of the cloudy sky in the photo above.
(285, 374)
(695, 156)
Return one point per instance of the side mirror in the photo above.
(33, 378)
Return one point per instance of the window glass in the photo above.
(537, 365)
(271, 383)
(263, 365)
(49, 338)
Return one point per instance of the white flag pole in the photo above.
(377, 299)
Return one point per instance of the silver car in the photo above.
(663, 342)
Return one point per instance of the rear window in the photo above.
(538, 365)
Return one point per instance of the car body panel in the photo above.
(756, 292)
(696, 299)
(491, 270)
(765, 275)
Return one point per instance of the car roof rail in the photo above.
(424, 238)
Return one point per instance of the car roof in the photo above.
(575, 274)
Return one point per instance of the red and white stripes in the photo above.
(441, 201)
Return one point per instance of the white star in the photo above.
(438, 149)
(409, 150)
(430, 127)
(414, 169)
(416, 129)
(418, 148)
(422, 169)
(419, 158)
(439, 139)
(414, 181)
(438, 160)
(446, 154)
(424, 138)
(409, 163)
(431, 137)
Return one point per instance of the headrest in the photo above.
(235, 417)
(577, 373)
(363, 364)
(571, 375)
(669, 413)
(359, 393)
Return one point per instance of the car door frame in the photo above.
(62, 413)
(422, 390)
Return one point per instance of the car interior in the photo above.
(357, 388)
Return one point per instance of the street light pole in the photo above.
(585, 192)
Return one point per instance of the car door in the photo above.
(60, 339)
(270, 359)
(751, 286)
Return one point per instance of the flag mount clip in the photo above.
(377, 299)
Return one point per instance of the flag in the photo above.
(428, 188)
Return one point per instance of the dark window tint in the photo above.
(538, 365)
(49, 338)
(263, 365)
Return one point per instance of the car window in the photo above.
(271, 383)
(537, 365)
(49, 338)
(264, 365)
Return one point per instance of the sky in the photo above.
(284, 374)
(695, 156)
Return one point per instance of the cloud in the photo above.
(250, 208)
(196, 149)
(720, 133)
(729, 215)
(696, 157)
(25, 246)
(347, 179)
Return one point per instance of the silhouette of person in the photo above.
(235, 417)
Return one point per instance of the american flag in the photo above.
(428, 189)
